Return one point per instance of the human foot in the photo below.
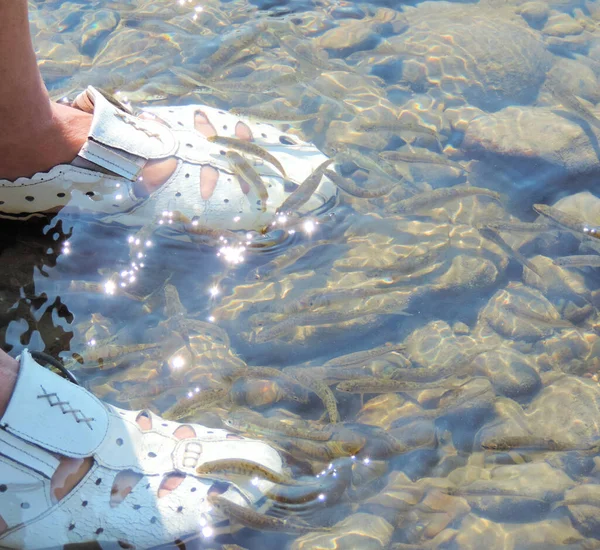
(38, 146)
(171, 154)
(140, 485)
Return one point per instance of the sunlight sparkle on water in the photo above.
(178, 362)
(232, 254)
(110, 287)
(309, 227)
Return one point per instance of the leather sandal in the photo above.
(104, 179)
(49, 416)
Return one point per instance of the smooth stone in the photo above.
(510, 373)
(514, 323)
(535, 13)
(577, 77)
(533, 133)
(364, 531)
(562, 25)
(488, 57)
(349, 37)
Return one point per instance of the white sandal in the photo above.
(47, 414)
(101, 180)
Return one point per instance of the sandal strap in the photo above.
(116, 129)
(48, 413)
(22, 452)
(51, 412)
(112, 160)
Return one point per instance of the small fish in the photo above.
(420, 156)
(348, 186)
(345, 155)
(461, 364)
(571, 101)
(409, 263)
(538, 318)
(380, 385)
(249, 148)
(288, 384)
(98, 354)
(233, 42)
(321, 390)
(192, 228)
(321, 451)
(431, 374)
(436, 197)
(363, 356)
(270, 115)
(507, 442)
(286, 258)
(567, 221)
(399, 126)
(302, 53)
(276, 331)
(247, 173)
(175, 313)
(173, 305)
(220, 85)
(323, 299)
(215, 332)
(330, 483)
(243, 467)
(507, 249)
(306, 189)
(331, 375)
(518, 226)
(256, 424)
(578, 261)
(309, 318)
(197, 400)
(254, 520)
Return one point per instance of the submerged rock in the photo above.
(356, 531)
(488, 57)
(510, 373)
(534, 133)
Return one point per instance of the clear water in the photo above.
(498, 444)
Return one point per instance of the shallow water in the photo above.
(494, 443)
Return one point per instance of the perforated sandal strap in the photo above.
(54, 414)
(118, 130)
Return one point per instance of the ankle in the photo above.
(36, 145)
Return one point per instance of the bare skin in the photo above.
(37, 133)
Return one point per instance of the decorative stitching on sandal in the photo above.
(65, 407)
(132, 121)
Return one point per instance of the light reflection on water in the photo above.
(497, 353)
